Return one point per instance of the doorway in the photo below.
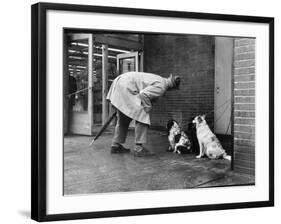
(91, 63)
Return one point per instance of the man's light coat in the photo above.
(132, 93)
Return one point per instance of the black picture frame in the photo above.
(39, 122)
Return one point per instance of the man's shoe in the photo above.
(140, 151)
(119, 149)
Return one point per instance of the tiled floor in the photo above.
(92, 169)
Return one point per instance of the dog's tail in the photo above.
(225, 156)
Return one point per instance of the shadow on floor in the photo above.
(92, 169)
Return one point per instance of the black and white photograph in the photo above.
(140, 112)
(157, 111)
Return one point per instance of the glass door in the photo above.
(79, 61)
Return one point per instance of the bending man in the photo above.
(132, 94)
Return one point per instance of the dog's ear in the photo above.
(170, 124)
(199, 119)
(204, 116)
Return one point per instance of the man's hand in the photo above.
(147, 109)
(145, 102)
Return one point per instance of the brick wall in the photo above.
(244, 105)
(192, 58)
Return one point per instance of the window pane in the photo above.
(127, 65)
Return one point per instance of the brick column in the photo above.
(244, 105)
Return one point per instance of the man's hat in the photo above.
(175, 80)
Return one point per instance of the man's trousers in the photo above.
(121, 130)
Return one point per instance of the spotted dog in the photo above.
(179, 142)
(209, 145)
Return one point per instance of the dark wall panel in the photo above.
(192, 58)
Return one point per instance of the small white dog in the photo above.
(179, 142)
(208, 143)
